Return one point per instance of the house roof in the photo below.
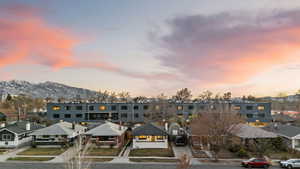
(107, 129)
(149, 129)
(61, 128)
(284, 130)
(246, 131)
(20, 127)
(282, 118)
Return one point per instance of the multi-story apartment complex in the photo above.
(136, 112)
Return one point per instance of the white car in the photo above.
(291, 163)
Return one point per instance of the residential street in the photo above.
(113, 166)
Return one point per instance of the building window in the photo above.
(157, 107)
(79, 116)
(249, 115)
(56, 116)
(104, 116)
(191, 107)
(6, 137)
(159, 138)
(136, 115)
(262, 115)
(78, 107)
(249, 107)
(67, 115)
(115, 116)
(261, 108)
(56, 108)
(142, 137)
(146, 107)
(237, 107)
(135, 107)
(102, 108)
(114, 107)
(202, 107)
(91, 108)
(124, 107)
(68, 107)
(179, 107)
(124, 115)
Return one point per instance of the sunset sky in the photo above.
(148, 47)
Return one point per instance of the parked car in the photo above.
(291, 163)
(256, 163)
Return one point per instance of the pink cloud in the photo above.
(229, 47)
(27, 38)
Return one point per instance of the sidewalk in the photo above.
(12, 153)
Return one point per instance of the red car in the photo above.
(256, 163)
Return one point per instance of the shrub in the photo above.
(278, 144)
(234, 148)
(242, 153)
(33, 145)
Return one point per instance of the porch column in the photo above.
(293, 143)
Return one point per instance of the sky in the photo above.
(152, 47)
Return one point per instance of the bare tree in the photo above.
(205, 96)
(75, 157)
(215, 125)
(184, 162)
(124, 96)
(227, 96)
(183, 95)
(140, 99)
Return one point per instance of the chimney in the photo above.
(27, 126)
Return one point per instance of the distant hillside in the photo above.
(43, 90)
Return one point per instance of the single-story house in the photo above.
(149, 136)
(108, 135)
(57, 134)
(245, 131)
(283, 118)
(17, 134)
(290, 134)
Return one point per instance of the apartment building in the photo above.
(136, 112)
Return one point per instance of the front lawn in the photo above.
(100, 159)
(2, 151)
(154, 160)
(104, 152)
(30, 158)
(155, 152)
(53, 151)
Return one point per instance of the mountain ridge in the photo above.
(45, 89)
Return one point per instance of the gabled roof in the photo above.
(149, 129)
(61, 128)
(282, 118)
(20, 127)
(107, 129)
(246, 131)
(283, 130)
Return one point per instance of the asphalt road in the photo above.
(113, 166)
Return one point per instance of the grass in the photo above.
(100, 159)
(43, 151)
(30, 158)
(2, 151)
(104, 152)
(157, 152)
(154, 160)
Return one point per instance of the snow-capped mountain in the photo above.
(43, 90)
